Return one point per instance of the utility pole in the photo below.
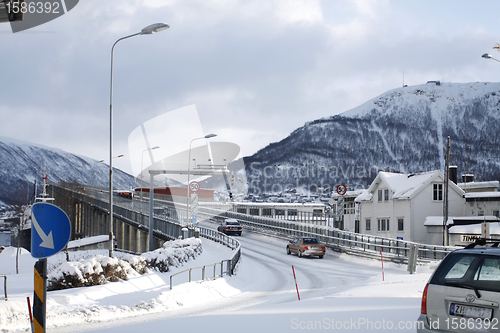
(445, 202)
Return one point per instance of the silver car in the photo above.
(463, 293)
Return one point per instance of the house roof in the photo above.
(405, 186)
(459, 220)
(474, 229)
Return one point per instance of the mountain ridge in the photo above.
(402, 130)
(21, 163)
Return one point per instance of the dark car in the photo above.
(463, 293)
(306, 246)
(230, 227)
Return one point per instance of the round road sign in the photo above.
(341, 189)
(194, 186)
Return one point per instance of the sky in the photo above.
(255, 70)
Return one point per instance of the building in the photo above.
(396, 205)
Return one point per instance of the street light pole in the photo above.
(208, 136)
(151, 29)
(489, 56)
(142, 158)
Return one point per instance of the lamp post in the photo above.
(149, 30)
(489, 56)
(208, 136)
(142, 158)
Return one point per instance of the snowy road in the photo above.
(337, 293)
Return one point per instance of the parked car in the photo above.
(463, 293)
(306, 246)
(230, 227)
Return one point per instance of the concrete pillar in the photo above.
(134, 246)
(126, 236)
(143, 242)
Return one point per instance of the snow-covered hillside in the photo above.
(402, 130)
(21, 163)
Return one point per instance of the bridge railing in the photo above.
(335, 238)
(166, 228)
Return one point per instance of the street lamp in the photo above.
(489, 56)
(142, 158)
(149, 30)
(208, 136)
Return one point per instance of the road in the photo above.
(267, 299)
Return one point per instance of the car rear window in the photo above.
(311, 241)
(232, 223)
(479, 271)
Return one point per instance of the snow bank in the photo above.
(102, 269)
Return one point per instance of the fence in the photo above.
(334, 238)
(164, 227)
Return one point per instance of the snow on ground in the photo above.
(146, 303)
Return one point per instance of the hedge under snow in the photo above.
(101, 269)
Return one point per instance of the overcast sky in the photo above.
(255, 69)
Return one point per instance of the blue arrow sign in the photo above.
(50, 230)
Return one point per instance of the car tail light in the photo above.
(423, 307)
(306, 248)
(323, 248)
(227, 228)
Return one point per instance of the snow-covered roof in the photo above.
(479, 185)
(355, 193)
(477, 195)
(474, 220)
(404, 186)
(474, 229)
(364, 196)
(437, 221)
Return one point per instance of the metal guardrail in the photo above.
(4, 287)
(204, 271)
(164, 228)
(338, 239)
(335, 238)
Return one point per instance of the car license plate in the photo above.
(470, 311)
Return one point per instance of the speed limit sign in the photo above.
(194, 186)
(341, 189)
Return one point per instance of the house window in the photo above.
(254, 211)
(437, 193)
(386, 195)
(383, 224)
(401, 224)
(292, 212)
(379, 195)
(368, 226)
(480, 213)
(495, 213)
(241, 210)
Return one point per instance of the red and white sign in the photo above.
(194, 186)
(341, 189)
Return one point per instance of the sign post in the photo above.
(51, 230)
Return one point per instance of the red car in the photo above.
(306, 246)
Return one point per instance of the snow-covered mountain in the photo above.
(23, 162)
(402, 130)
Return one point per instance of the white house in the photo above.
(396, 205)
